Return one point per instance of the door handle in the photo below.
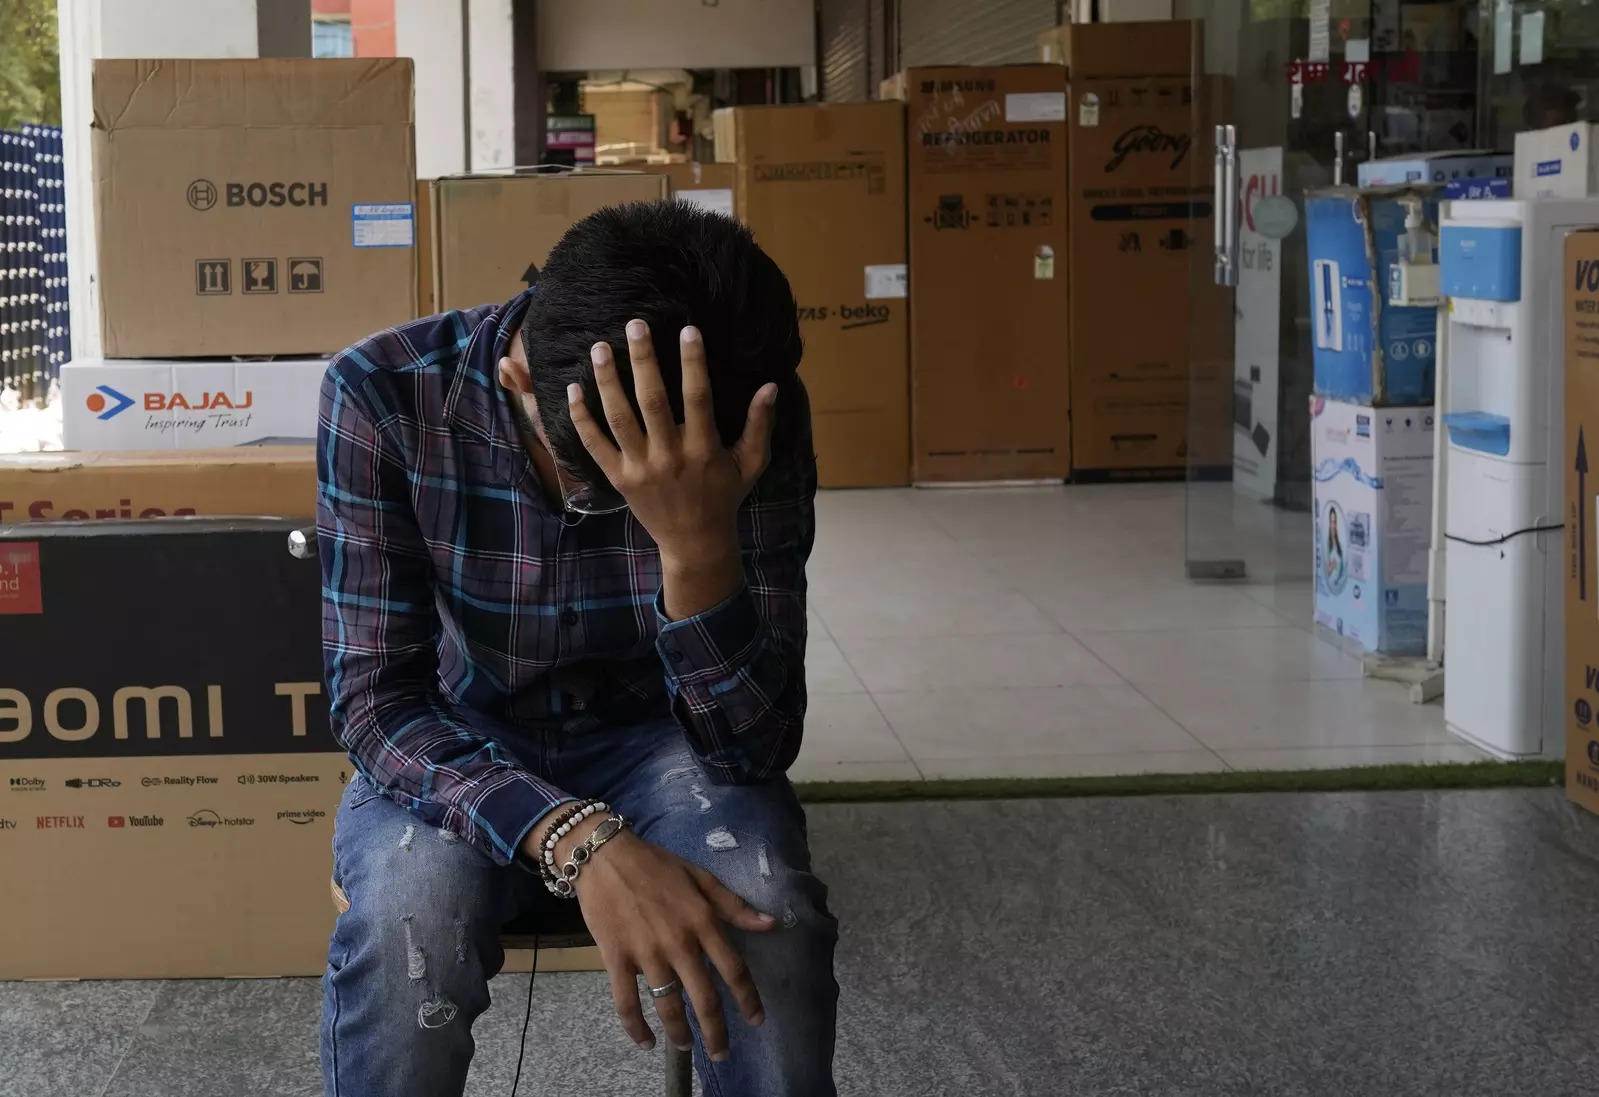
(1226, 215)
(1218, 194)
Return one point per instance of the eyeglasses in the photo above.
(584, 500)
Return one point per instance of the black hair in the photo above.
(669, 264)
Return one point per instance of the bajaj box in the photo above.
(986, 157)
(1141, 198)
(492, 233)
(823, 190)
(250, 207)
(183, 405)
(1582, 496)
(271, 480)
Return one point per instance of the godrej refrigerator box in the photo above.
(1366, 351)
(1372, 472)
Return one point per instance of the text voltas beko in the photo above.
(1587, 282)
(1149, 139)
(72, 714)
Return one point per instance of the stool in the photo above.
(558, 923)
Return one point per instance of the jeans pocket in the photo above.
(361, 791)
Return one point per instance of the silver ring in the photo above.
(674, 987)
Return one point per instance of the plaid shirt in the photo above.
(463, 616)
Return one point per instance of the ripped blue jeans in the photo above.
(410, 962)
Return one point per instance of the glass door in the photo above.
(1290, 96)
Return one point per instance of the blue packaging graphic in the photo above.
(1365, 350)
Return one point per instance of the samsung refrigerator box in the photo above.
(1433, 167)
(126, 405)
(823, 189)
(1582, 498)
(252, 207)
(266, 480)
(168, 780)
(986, 156)
(1559, 162)
(490, 234)
(1366, 351)
(1372, 473)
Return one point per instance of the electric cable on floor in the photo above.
(1507, 537)
(527, 1018)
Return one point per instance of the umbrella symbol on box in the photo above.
(305, 275)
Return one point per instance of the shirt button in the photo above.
(579, 704)
(674, 654)
(569, 617)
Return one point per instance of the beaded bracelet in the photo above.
(559, 828)
(565, 884)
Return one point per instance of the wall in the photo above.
(372, 25)
(430, 32)
(493, 86)
(579, 35)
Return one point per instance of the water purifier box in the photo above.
(1433, 167)
(1365, 350)
(1372, 471)
(1558, 162)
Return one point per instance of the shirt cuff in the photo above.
(710, 645)
(508, 813)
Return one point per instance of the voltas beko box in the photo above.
(252, 207)
(167, 776)
(986, 159)
(823, 190)
(491, 233)
(1582, 518)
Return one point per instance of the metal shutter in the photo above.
(972, 32)
(844, 50)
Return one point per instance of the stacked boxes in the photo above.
(986, 156)
(823, 190)
(1372, 415)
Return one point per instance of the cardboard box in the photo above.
(189, 405)
(986, 156)
(491, 233)
(1582, 499)
(1140, 202)
(1055, 45)
(163, 766)
(1373, 518)
(1559, 162)
(251, 207)
(272, 480)
(427, 294)
(1433, 167)
(1365, 350)
(708, 186)
(823, 189)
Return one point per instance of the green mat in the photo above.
(1456, 775)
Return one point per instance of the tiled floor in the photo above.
(1051, 632)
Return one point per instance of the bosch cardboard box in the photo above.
(270, 480)
(1582, 499)
(1366, 351)
(250, 207)
(113, 405)
(1559, 162)
(491, 233)
(823, 189)
(986, 157)
(1141, 204)
(1373, 501)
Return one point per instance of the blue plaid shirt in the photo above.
(463, 616)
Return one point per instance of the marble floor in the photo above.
(1407, 944)
(1052, 632)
